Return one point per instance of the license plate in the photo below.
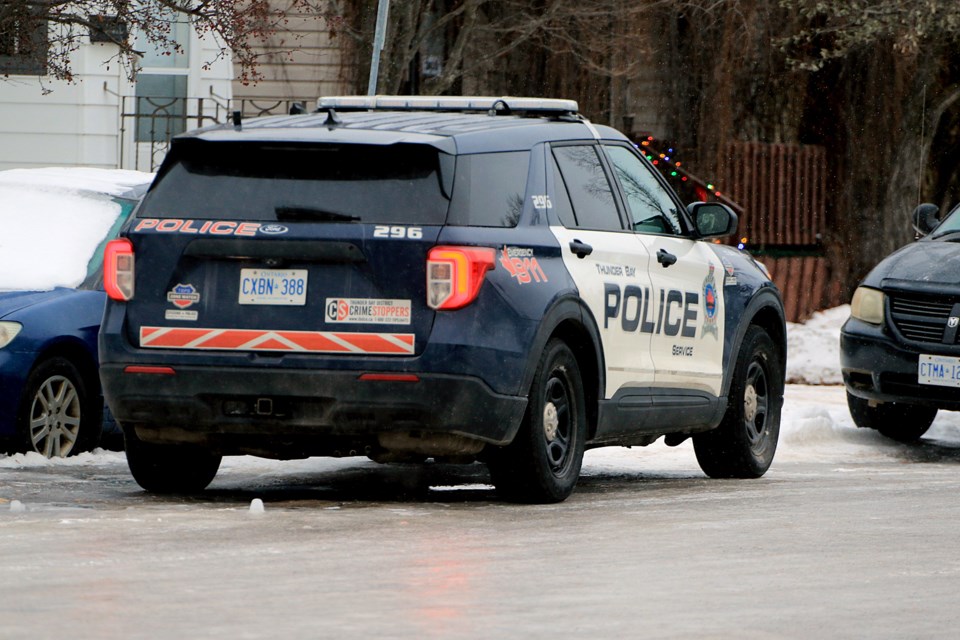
(273, 286)
(942, 371)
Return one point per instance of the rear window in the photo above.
(398, 184)
(489, 189)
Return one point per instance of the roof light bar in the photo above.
(448, 103)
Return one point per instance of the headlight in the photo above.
(867, 305)
(8, 331)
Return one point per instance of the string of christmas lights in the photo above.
(669, 165)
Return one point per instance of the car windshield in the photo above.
(950, 224)
(54, 237)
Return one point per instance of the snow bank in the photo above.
(813, 348)
(33, 460)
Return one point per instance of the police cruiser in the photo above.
(407, 278)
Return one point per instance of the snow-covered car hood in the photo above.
(929, 261)
(13, 301)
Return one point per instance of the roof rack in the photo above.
(505, 105)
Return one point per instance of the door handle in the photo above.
(581, 249)
(666, 258)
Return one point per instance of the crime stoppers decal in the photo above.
(400, 344)
(367, 311)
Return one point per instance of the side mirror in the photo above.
(712, 219)
(926, 218)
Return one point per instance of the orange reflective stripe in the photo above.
(291, 341)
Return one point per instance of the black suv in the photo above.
(407, 278)
(899, 350)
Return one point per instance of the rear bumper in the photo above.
(302, 412)
(876, 367)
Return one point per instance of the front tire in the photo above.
(897, 421)
(542, 464)
(169, 468)
(60, 414)
(746, 440)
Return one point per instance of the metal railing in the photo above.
(148, 123)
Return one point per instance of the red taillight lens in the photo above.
(118, 269)
(454, 275)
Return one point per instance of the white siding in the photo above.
(73, 125)
(301, 66)
(79, 124)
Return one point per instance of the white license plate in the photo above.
(273, 286)
(943, 371)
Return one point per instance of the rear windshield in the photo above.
(316, 183)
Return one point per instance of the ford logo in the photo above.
(273, 229)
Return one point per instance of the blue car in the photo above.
(51, 302)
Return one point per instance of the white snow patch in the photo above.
(813, 348)
(256, 506)
(32, 459)
(62, 213)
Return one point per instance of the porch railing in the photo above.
(148, 123)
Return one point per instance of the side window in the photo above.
(560, 204)
(24, 39)
(589, 190)
(652, 210)
(489, 189)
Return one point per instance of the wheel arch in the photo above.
(570, 321)
(765, 310)
(77, 353)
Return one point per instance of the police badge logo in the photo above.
(711, 304)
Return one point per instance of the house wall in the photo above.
(298, 66)
(46, 122)
(45, 130)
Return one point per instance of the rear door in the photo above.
(606, 262)
(260, 247)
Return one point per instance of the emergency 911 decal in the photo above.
(521, 264)
(367, 311)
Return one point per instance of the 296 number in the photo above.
(385, 231)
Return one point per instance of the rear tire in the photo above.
(169, 468)
(542, 464)
(746, 440)
(897, 421)
(60, 414)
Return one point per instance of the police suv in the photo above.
(407, 278)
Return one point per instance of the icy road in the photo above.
(848, 535)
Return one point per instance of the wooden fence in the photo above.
(805, 284)
(782, 191)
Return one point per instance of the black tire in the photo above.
(744, 444)
(60, 412)
(542, 464)
(166, 468)
(897, 421)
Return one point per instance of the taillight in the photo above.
(454, 275)
(118, 269)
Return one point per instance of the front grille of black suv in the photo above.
(919, 318)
